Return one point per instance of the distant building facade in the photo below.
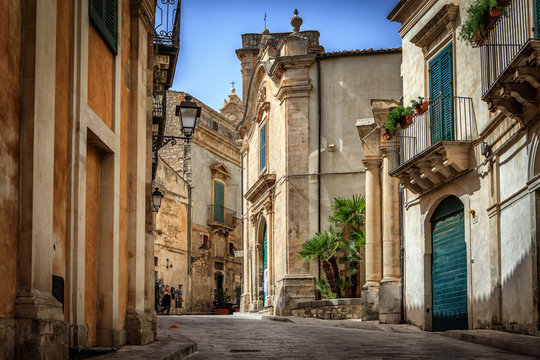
(469, 170)
(300, 151)
(206, 174)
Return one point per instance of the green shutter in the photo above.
(441, 90)
(262, 153)
(104, 17)
(265, 263)
(537, 19)
(219, 201)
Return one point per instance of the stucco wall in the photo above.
(100, 79)
(10, 70)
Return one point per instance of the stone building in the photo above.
(469, 169)
(206, 174)
(299, 151)
(76, 263)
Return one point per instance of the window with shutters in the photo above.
(441, 90)
(104, 17)
(219, 201)
(262, 149)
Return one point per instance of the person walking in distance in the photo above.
(166, 302)
(179, 299)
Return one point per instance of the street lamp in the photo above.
(202, 251)
(157, 196)
(189, 112)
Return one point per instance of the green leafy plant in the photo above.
(474, 29)
(392, 119)
(221, 298)
(323, 287)
(324, 246)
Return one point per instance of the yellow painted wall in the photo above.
(100, 77)
(10, 70)
(91, 246)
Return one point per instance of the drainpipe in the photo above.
(242, 217)
(190, 270)
(319, 122)
(402, 256)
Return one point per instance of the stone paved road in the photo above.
(232, 337)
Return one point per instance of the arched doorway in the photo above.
(449, 266)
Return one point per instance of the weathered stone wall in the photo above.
(334, 309)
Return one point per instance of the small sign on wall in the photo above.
(238, 253)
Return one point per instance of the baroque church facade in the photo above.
(299, 151)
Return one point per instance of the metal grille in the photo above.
(418, 137)
(505, 42)
(244, 351)
(222, 215)
(167, 22)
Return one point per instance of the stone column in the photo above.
(390, 285)
(370, 291)
(40, 331)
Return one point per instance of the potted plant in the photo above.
(221, 306)
(482, 16)
(420, 106)
(399, 117)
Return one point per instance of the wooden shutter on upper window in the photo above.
(104, 17)
(441, 90)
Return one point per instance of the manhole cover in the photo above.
(244, 350)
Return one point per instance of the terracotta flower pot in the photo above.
(387, 136)
(479, 38)
(222, 311)
(422, 108)
(405, 121)
(496, 12)
(237, 310)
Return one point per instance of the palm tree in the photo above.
(353, 256)
(351, 215)
(323, 246)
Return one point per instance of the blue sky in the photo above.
(211, 32)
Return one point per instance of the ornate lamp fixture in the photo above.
(189, 112)
(157, 196)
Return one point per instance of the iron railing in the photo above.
(222, 215)
(159, 106)
(504, 42)
(449, 118)
(167, 23)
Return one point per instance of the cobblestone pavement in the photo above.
(234, 337)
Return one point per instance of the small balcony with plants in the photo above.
(510, 54)
(435, 145)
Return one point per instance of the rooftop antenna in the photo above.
(265, 20)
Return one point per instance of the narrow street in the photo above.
(239, 337)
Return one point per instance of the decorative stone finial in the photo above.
(296, 21)
(265, 32)
(233, 90)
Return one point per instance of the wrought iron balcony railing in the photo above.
(167, 23)
(449, 118)
(505, 41)
(222, 215)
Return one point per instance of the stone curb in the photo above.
(168, 347)
(520, 344)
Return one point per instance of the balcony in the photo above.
(221, 219)
(510, 64)
(436, 147)
(166, 43)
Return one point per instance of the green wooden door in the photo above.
(219, 201)
(449, 266)
(265, 265)
(441, 91)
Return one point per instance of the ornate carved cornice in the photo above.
(264, 183)
(217, 144)
(438, 23)
(409, 12)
